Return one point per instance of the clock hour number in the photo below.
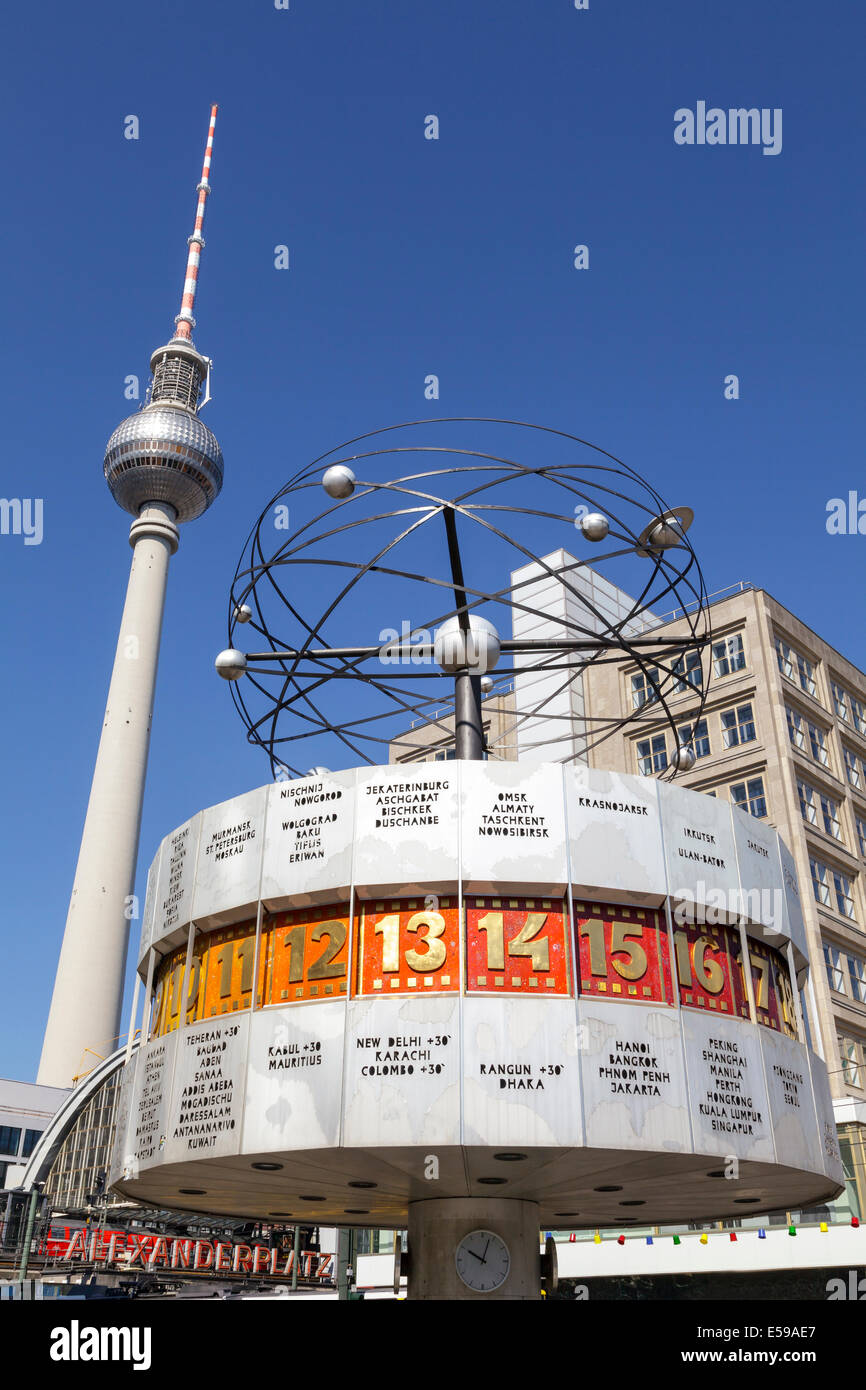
(246, 954)
(763, 968)
(295, 942)
(389, 930)
(323, 968)
(594, 930)
(194, 983)
(423, 963)
(492, 923)
(759, 982)
(175, 985)
(625, 942)
(709, 973)
(786, 999)
(434, 957)
(225, 959)
(523, 944)
(246, 950)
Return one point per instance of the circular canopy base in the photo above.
(573, 1187)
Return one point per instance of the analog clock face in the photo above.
(482, 1261)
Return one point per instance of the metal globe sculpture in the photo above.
(419, 571)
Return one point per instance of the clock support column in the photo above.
(437, 1227)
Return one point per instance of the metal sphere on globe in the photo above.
(594, 526)
(684, 758)
(339, 482)
(665, 531)
(476, 651)
(231, 664)
(243, 613)
(164, 454)
(486, 685)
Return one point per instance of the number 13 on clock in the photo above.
(408, 947)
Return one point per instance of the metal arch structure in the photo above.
(294, 687)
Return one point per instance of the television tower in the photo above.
(164, 466)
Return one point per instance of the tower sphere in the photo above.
(164, 453)
(477, 651)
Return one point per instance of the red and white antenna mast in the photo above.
(185, 321)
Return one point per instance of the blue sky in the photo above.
(407, 257)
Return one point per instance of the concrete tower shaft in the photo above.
(84, 1019)
(164, 466)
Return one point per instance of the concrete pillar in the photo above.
(88, 987)
(436, 1228)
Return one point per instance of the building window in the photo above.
(696, 737)
(652, 755)
(30, 1138)
(858, 712)
(842, 888)
(806, 673)
(444, 755)
(795, 667)
(833, 966)
(642, 683)
(818, 744)
(785, 658)
(728, 655)
(830, 816)
(857, 976)
(10, 1138)
(820, 882)
(738, 725)
(850, 1054)
(808, 808)
(796, 732)
(861, 834)
(855, 769)
(840, 702)
(750, 796)
(688, 670)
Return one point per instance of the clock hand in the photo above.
(477, 1257)
(484, 1257)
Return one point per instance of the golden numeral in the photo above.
(524, 943)
(710, 973)
(434, 956)
(492, 924)
(763, 966)
(627, 942)
(389, 930)
(325, 968)
(594, 930)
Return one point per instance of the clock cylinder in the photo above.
(437, 1226)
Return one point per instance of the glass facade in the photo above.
(79, 1169)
